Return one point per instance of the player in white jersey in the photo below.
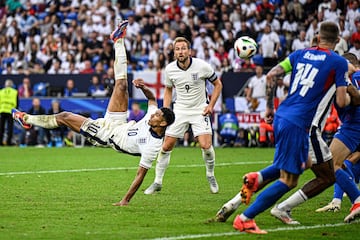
(192, 107)
(137, 138)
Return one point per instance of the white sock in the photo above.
(294, 200)
(260, 178)
(162, 163)
(234, 203)
(336, 201)
(357, 200)
(244, 218)
(120, 64)
(209, 158)
(45, 121)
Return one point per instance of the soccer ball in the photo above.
(245, 47)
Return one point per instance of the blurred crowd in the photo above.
(61, 37)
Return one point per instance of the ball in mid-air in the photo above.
(245, 47)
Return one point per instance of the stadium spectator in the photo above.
(133, 27)
(352, 14)
(312, 29)
(263, 8)
(300, 42)
(16, 46)
(256, 89)
(332, 13)
(96, 89)
(70, 88)
(87, 68)
(202, 37)
(136, 113)
(34, 136)
(9, 70)
(55, 67)
(245, 30)
(272, 21)
(187, 7)
(269, 46)
(184, 31)
(172, 10)
(9, 98)
(226, 66)
(25, 89)
(228, 28)
(355, 49)
(324, 5)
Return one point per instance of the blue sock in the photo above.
(347, 184)
(356, 171)
(266, 199)
(338, 192)
(349, 167)
(270, 172)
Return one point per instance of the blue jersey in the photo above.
(348, 132)
(313, 72)
(350, 115)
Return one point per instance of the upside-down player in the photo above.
(136, 138)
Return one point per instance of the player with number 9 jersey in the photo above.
(190, 85)
(192, 107)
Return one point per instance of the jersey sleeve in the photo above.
(210, 72)
(167, 80)
(149, 153)
(341, 74)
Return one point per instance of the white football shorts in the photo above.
(200, 125)
(318, 149)
(99, 131)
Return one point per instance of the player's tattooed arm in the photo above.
(140, 83)
(271, 78)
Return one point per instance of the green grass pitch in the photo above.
(67, 193)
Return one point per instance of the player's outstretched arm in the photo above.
(140, 175)
(140, 83)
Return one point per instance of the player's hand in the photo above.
(207, 111)
(121, 203)
(269, 115)
(139, 83)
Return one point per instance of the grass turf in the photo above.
(67, 193)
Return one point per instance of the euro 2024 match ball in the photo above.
(245, 47)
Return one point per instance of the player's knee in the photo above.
(62, 116)
(205, 146)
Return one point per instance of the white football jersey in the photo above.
(190, 84)
(139, 139)
(135, 138)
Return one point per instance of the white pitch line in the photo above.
(211, 235)
(120, 168)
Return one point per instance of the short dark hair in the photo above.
(329, 32)
(169, 115)
(351, 58)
